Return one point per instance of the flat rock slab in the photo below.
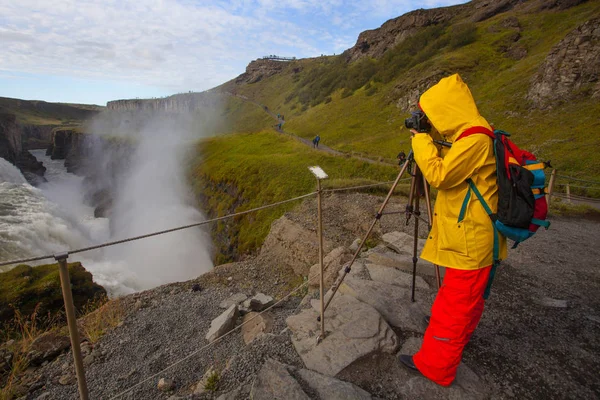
(391, 301)
(402, 242)
(357, 270)
(403, 262)
(222, 324)
(275, 382)
(332, 389)
(467, 384)
(396, 277)
(353, 330)
(279, 381)
(234, 299)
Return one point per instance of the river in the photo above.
(44, 220)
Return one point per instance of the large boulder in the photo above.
(353, 330)
(332, 263)
(289, 243)
(223, 323)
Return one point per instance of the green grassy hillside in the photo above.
(35, 112)
(354, 108)
(234, 173)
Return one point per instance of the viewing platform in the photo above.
(277, 58)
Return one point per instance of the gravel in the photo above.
(539, 336)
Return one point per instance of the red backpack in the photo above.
(522, 206)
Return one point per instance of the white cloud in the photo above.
(178, 44)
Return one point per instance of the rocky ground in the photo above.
(538, 337)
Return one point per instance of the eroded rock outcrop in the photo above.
(179, 103)
(572, 67)
(11, 149)
(261, 69)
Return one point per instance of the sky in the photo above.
(92, 51)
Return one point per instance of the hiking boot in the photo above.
(407, 361)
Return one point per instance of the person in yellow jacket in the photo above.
(462, 235)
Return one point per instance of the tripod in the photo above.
(418, 188)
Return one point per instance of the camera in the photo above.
(418, 121)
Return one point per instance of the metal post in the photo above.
(65, 283)
(551, 187)
(322, 280)
(320, 174)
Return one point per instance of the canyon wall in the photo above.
(11, 149)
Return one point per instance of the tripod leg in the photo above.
(348, 266)
(415, 244)
(430, 215)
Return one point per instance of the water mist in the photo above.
(152, 195)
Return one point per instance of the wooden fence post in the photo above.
(65, 283)
(551, 187)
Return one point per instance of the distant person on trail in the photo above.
(401, 157)
(462, 236)
(280, 124)
(316, 141)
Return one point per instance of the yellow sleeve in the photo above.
(463, 159)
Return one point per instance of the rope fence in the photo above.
(565, 193)
(578, 180)
(68, 299)
(220, 338)
(63, 269)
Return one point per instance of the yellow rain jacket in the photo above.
(467, 244)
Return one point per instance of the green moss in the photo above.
(245, 171)
(24, 287)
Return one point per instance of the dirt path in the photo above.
(307, 142)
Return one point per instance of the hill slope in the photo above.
(532, 67)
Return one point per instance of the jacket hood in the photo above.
(450, 107)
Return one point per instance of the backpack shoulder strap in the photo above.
(477, 129)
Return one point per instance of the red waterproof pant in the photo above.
(455, 314)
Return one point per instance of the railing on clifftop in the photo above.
(277, 58)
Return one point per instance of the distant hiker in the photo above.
(280, 124)
(401, 157)
(316, 141)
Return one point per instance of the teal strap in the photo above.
(488, 210)
(540, 222)
(463, 209)
(488, 288)
(496, 250)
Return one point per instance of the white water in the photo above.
(152, 197)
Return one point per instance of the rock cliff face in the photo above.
(180, 103)
(374, 43)
(11, 149)
(260, 69)
(573, 66)
(36, 136)
(10, 138)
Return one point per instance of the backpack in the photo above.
(522, 206)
